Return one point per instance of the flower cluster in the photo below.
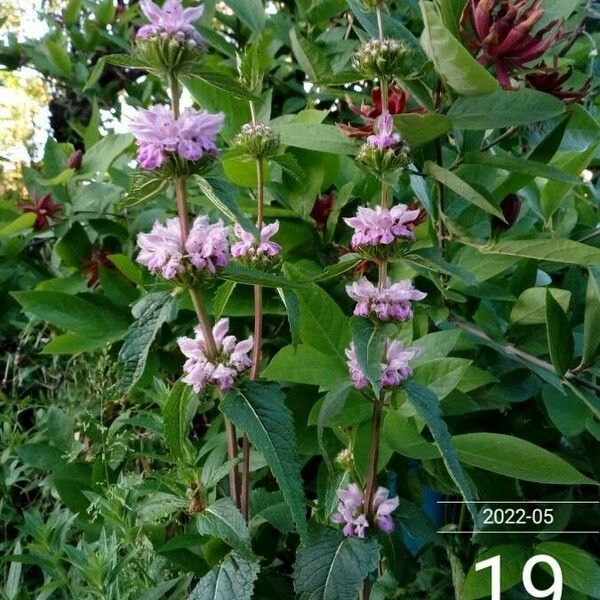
(171, 21)
(159, 135)
(351, 511)
(382, 226)
(258, 140)
(164, 252)
(249, 249)
(382, 57)
(505, 33)
(232, 358)
(395, 365)
(391, 302)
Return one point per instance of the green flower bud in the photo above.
(383, 160)
(345, 460)
(259, 141)
(382, 58)
(167, 54)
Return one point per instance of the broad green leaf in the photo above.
(560, 338)
(73, 343)
(151, 312)
(544, 249)
(223, 520)
(241, 170)
(435, 345)
(241, 274)
(232, 579)
(271, 507)
(568, 414)
(505, 109)
(522, 166)
(74, 247)
(441, 375)
(258, 410)
(20, 224)
(127, 267)
(177, 417)
(227, 83)
(591, 324)
(513, 557)
(310, 57)
(333, 567)
(143, 186)
(418, 130)
(251, 12)
(368, 344)
(451, 59)
(289, 165)
(323, 325)
(315, 136)
(426, 404)
(333, 404)
(530, 307)
(580, 569)
(304, 364)
(460, 187)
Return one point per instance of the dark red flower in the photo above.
(91, 266)
(397, 100)
(510, 207)
(552, 81)
(322, 209)
(43, 208)
(502, 33)
(75, 160)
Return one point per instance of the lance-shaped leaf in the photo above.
(177, 417)
(232, 579)
(333, 567)
(560, 338)
(242, 274)
(144, 186)
(221, 81)
(258, 410)
(368, 344)
(591, 323)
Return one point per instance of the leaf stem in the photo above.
(379, 20)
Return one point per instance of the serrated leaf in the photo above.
(333, 567)
(258, 410)
(224, 521)
(560, 338)
(232, 579)
(176, 418)
(152, 311)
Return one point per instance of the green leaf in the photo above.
(460, 187)
(530, 307)
(289, 165)
(151, 312)
(143, 186)
(504, 109)
(567, 413)
(251, 12)
(224, 521)
(333, 404)
(74, 247)
(368, 345)
(551, 250)
(119, 60)
(232, 579)
(21, 223)
(418, 130)
(314, 136)
(591, 323)
(310, 57)
(222, 297)
(271, 507)
(97, 160)
(441, 375)
(523, 166)
(227, 83)
(177, 418)
(333, 567)
(258, 410)
(451, 59)
(580, 569)
(560, 338)
(323, 325)
(513, 457)
(248, 276)
(513, 557)
(426, 404)
(127, 267)
(304, 364)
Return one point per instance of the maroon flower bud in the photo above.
(44, 210)
(91, 266)
(502, 32)
(552, 81)
(510, 207)
(322, 209)
(75, 160)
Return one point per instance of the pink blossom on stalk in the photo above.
(232, 358)
(197, 133)
(391, 302)
(375, 226)
(351, 511)
(395, 366)
(384, 136)
(170, 20)
(164, 253)
(248, 246)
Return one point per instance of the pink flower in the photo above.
(384, 136)
(392, 302)
(232, 358)
(163, 252)
(351, 511)
(395, 366)
(249, 247)
(375, 226)
(170, 20)
(158, 133)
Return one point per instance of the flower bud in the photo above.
(382, 58)
(75, 160)
(510, 207)
(383, 160)
(167, 53)
(259, 141)
(345, 460)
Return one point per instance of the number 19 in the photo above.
(554, 591)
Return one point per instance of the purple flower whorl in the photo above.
(170, 21)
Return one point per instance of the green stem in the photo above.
(379, 20)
